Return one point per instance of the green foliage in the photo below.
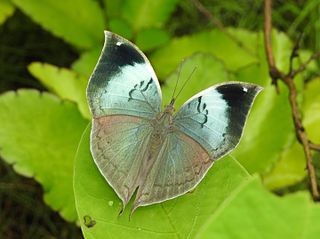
(121, 27)
(149, 39)
(181, 217)
(147, 13)
(65, 83)
(241, 208)
(87, 61)
(39, 135)
(255, 213)
(166, 59)
(6, 10)
(78, 22)
(289, 169)
(312, 109)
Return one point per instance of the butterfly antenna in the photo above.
(175, 88)
(185, 83)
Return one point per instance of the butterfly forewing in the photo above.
(216, 116)
(123, 81)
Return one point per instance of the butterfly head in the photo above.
(170, 107)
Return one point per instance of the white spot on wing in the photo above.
(245, 89)
(119, 43)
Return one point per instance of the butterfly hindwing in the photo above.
(216, 116)
(117, 146)
(123, 81)
(179, 167)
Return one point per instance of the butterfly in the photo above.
(157, 154)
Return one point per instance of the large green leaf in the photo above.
(79, 22)
(64, 82)
(177, 218)
(39, 135)
(255, 213)
(208, 70)
(147, 13)
(167, 58)
(6, 10)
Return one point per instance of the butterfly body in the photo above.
(157, 154)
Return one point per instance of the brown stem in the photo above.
(304, 65)
(313, 146)
(287, 79)
(218, 24)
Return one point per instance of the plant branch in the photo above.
(218, 24)
(287, 79)
(304, 65)
(315, 147)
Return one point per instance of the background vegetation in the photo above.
(48, 49)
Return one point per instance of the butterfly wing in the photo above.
(216, 116)
(207, 126)
(123, 95)
(116, 146)
(179, 167)
(123, 81)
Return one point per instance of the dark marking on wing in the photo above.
(201, 108)
(147, 86)
(199, 103)
(139, 87)
(113, 58)
(239, 99)
(122, 54)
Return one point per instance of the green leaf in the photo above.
(147, 13)
(176, 218)
(113, 8)
(167, 58)
(289, 169)
(209, 71)
(79, 22)
(311, 106)
(39, 135)
(255, 213)
(6, 10)
(65, 83)
(151, 38)
(87, 61)
(120, 27)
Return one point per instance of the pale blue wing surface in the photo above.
(123, 81)
(216, 116)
